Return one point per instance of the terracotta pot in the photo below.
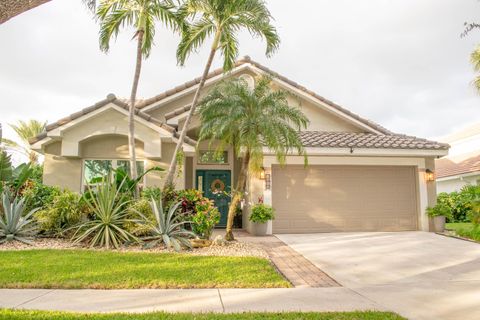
(260, 229)
(439, 223)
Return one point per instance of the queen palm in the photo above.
(25, 130)
(141, 15)
(220, 20)
(249, 120)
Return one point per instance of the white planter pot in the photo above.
(439, 223)
(260, 229)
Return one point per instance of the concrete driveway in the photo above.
(420, 275)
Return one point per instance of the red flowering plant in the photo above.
(195, 208)
(205, 218)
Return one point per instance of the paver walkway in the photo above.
(294, 266)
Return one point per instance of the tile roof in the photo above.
(367, 140)
(111, 98)
(446, 167)
(247, 60)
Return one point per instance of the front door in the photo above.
(216, 185)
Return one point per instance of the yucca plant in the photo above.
(14, 223)
(167, 228)
(107, 229)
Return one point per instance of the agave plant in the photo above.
(167, 228)
(14, 224)
(109, 207)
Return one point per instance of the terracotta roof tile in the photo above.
(110, 99)
(446, 167)
(367, 140)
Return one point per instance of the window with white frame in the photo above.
(94, 169)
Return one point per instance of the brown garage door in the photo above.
(344, 198)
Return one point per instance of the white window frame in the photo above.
(114, 167)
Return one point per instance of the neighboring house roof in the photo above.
(111, 98)
(367, 140)
(446, 167)
(464, 133)
(247, 60)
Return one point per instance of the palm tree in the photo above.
(250, 120)
(25, 130)
(142, 15)
(475, 59)
(222, 20)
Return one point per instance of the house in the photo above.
(462, 166)
(360, 177)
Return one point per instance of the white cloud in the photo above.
(398, 62)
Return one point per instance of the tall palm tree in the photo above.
(141, 15)
(221, 20)
(250, 120)
(475, 59)
(25, 130)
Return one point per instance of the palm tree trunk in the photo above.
(179, 147)
(237, 196)
(131, 116)
(12, 8)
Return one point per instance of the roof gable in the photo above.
(216, 75)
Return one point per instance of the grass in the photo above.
(75, 269)
(44, 315)
(465, 230)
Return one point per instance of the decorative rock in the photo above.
(200, 243)
(219, 241)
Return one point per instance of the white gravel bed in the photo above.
(234, 248)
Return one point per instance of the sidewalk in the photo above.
(189, 300)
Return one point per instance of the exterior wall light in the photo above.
(262, 173)
(429, 175)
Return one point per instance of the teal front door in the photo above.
(216, 185)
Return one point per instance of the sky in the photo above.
(400, 63)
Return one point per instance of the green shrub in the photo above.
(139, 209)
(460, 203)
(38, 195)
(440, 209)
(205, 218)
(474, 214)
(152, 192)
(65, 210)
(261, 213)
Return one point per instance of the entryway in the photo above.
(216, 185)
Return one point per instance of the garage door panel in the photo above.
(344, 198)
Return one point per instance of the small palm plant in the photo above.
(109, 207)
(167, 228)
(14, 223)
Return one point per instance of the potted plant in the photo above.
(438, 213)
(260, 216)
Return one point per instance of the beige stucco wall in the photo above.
(184, 100)
(60, 171)
(66, 172)
(321, 120)
(109, 122)
(109, 147)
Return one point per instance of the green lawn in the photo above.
(465, 230)
(111, 270)
(44, 315)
